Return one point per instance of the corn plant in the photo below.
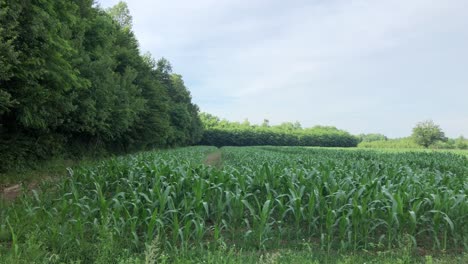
(261, 197)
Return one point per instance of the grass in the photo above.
(250, 205)
(53, 168)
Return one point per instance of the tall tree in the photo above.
(72, 77)
(153, 127)
(427, 133)
(8, 54)
(121, 14)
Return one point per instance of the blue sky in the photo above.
(363, 66)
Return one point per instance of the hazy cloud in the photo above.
(364, 66)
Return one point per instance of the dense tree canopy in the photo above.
(224, 133)
(72, 79)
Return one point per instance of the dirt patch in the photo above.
(10, 193)
(214, 159)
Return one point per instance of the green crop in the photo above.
(261, 197)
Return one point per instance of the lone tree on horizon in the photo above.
(427, 133)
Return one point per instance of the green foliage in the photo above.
(371, 137)
(461, 143)
(72, 79)
(224, 133)
(8, 54)
(398, 143)
(408, 143)
(458, 143)
(168, 204)
(121, 15)
(427, 133)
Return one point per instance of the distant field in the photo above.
(454, 151)
(396, 150)
(247, 204)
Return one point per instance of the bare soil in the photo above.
(214, 159)
(10, 193)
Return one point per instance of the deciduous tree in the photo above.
(426, 133)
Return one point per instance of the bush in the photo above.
(391, 143)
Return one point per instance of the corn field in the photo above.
(255, 198)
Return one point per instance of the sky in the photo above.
(361, 65)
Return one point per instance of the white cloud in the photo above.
(359, 65)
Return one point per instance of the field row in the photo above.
(255, 198)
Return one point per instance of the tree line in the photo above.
(73, 80)
(219, 133)
(426, 134)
